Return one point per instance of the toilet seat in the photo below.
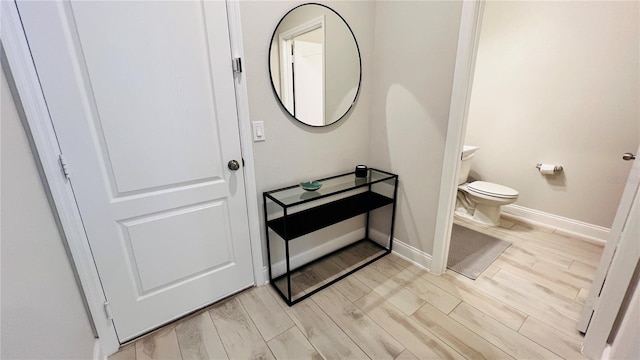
(485, 188)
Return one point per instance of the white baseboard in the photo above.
(404, 250)
(97, 351)
(297, 260)
(412, 254)
(379, 237)
(562, 225)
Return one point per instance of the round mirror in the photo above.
(315, 66)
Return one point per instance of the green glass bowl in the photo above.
(311, 185)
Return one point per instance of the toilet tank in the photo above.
(468, 152)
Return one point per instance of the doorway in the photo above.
(308, 75)
(579, 155)
(302, 70)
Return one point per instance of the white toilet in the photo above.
(480, 200)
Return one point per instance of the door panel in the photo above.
(142, 98)
(141, 88)
(309, 81)
(611, 247)
(144, 236)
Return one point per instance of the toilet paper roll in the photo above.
(547, 169)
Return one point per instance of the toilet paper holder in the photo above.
(556, 168)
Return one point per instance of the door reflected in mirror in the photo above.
(315, 65)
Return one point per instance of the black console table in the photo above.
(292, 212)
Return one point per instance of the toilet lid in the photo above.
(491, 189)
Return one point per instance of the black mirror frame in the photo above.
(273, 86)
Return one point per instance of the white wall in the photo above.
(415, 51)
(294, 152)
(557, 82)
(43, 316)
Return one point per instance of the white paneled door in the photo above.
(142, 99)
(309, 77)
(621, 250)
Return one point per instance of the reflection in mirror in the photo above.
(315, 67)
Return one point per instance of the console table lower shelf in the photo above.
(320, 273)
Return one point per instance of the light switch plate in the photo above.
(258, 131)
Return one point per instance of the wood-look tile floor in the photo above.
(524, 306)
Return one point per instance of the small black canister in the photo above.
(361, 171)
